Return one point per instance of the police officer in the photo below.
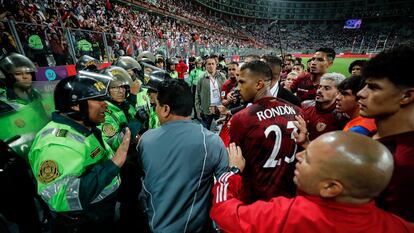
(171, 64)
(147, 60)
(131, 66)
(88, 63)
(77, 172)
(119, 112)
(19, 73)
(153, 80)
(137, 74)
(159, 61)
(195, 75)
(22, 110)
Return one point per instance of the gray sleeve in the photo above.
(220, 154)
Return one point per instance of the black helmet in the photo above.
(129, 63)
(153, 79)
(159, 58)
(13, 63)
(73, 90)
(198, 60)
(146, 57)
(88, 63)
(172, 61)
(118, 76)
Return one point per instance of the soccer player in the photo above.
(388, 97)
(347, 103)
(306, 84)
(264, 131)
(338, 176)
(356, 67)
(321, 117)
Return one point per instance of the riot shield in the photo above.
(21, 122)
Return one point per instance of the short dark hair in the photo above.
(177, 94)
(354, 83)
(253, 56)
(360, 63)
(234, 63)
(392, 64)
(259, 68)
(272, 60)
(300, 64)
(211, 57)
(330, 53)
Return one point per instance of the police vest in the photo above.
(84, 45)
(153, 119)
(115, 122)
(142, 98)
(174, 74)
(58, 157)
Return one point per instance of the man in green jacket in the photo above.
(77, 172)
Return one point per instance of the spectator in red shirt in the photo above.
(337, 177)
(181, 68)
(388, 97)
(306, 84)
(264, 130)
(321, 117)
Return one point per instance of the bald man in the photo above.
(337, 177)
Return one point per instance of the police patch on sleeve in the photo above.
(48, 171)
(108, 130)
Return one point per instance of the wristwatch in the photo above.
(235, 170)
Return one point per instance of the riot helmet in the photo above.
(171, 61)
(159, 61)
(14, 65)
(130, 65)
(153, 79)
(77, 89)
(87, 63)
(198, 60)
(146, 57)
(120, 79)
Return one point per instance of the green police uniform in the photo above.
(153, 119)
(195, 75)
(84, 46)
(73, 169)
(174, 74)
(115, 122)
(142, 98)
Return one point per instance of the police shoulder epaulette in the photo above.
(61, 133)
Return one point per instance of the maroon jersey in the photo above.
(264, 133)
(227, 86)
(398, 196)
(303, 87)
(320, 121)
